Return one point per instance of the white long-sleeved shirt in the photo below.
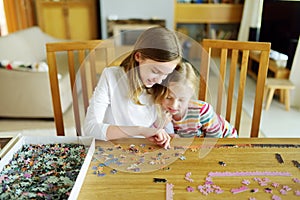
(111, 105)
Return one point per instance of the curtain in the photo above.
(251, 18)
(20, 14)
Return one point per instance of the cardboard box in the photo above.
(88, 142)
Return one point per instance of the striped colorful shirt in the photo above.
(202, 120)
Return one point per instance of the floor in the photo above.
(36, 126)
(276, 122)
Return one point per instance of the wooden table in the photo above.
(240, 155)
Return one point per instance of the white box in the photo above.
(280, 58)
(88, 142)
(9, 145)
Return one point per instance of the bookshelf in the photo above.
(208, 20)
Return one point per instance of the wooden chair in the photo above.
(284, 85)
(238, 54)
(88, 58)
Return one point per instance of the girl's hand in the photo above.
(161, 138)
(163, 120)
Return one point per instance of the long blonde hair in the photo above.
(184, 74)
(158, 44)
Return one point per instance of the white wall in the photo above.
(144, 9)
(252, 13)
(294, 77)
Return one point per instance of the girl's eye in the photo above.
(168, 97)
(155, 72)
(164, 77)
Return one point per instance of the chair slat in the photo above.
(223, 63)
(93, 68)
(80, 47)
(261, 78)
(73, 85)
(58, 117)
(204, 73)
(241, 90)
(232, 78)
(72, 70)
(235, 47)
(81, 55)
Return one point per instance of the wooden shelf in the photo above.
(274, 70)
(208, 13)
(212, 20)
(207, 20)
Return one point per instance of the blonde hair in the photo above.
(158, 44)
(183, 74)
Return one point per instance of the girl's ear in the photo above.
(138, 57)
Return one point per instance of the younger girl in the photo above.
(189, 117)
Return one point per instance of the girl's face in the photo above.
(152, 72)
(176, 103)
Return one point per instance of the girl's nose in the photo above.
(174, 103)
(159, 79)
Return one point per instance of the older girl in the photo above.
(121, 105)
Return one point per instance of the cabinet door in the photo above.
(75, 20)
(82, 20)
(51, 18)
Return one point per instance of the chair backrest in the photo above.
(237, 53)
(88, 58)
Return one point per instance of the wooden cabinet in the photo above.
(68, 19)
(274, 70)
(212, 20)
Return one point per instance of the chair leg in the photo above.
(270, 97)
(287, 99)
(265, 94)
(281, 95)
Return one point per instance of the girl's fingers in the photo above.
(151, 139)
(164, 141)
(161, 138)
